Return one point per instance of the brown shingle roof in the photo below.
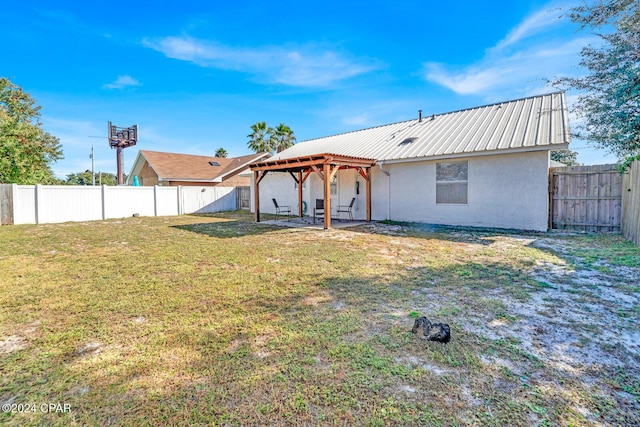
(188, 167)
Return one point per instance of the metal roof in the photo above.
(527, 124)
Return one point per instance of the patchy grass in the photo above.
(215, 320)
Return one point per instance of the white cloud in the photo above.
(520, 70)
(305, 66)
(121, 82)
(472, 80)
(532, 24)
(520, 63)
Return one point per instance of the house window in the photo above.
(334, 185)
(304, 185)
(452, 181)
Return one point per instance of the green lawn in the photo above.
(216, 320)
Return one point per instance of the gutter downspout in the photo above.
(386, 172)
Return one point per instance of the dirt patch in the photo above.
(19, 337)
(11, 344)
(89, 349)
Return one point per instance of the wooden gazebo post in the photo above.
(256, 194)
(300, 213)
(368, 185)
(257, 177)
(327, 195)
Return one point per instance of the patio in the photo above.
(324, 165)
(307, 222)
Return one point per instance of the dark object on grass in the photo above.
(439, 332)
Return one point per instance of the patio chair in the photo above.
(319, 208)
(282, 210)
(346, 209)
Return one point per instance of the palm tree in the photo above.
(221, 152)
(284, 137)
(262, 138)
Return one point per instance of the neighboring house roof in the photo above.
(188, 167)
(528, 124)
(556, 164)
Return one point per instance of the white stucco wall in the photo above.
(504, 191)
(280, 186)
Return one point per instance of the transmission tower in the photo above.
(121, 138)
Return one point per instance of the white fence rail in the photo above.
(41, 204)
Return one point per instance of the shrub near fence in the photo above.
(40, 204)
(631, 204)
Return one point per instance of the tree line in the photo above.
(26, 150)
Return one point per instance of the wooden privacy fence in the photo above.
(243, 198)
(631, 203)
(585, 198)
(6, 204)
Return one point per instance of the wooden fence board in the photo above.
(631, 203)
(243, 197)
(6, 204)
(586, 198)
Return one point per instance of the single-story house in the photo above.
(173, 169)
(486, 166)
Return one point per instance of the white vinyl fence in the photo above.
(41, 204)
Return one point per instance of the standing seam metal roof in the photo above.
(538, 122)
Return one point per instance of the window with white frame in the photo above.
(452, 182)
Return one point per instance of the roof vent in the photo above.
(408, 140)
(212, 163)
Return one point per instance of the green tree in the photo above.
(568, 157)
(609, 93)
(261, 140)
(26, 150)
(284, 137)
(85, 178)
(221, 152)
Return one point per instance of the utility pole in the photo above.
(93, 174)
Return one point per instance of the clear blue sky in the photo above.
(195, 75)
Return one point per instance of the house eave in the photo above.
(209, 180)
(475, 154)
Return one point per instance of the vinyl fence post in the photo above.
(104, 204)
(155, 200)
(38, 199)
(14, 202)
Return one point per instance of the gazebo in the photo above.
(300, 168)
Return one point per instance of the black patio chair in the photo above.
(319, 208)
(282, 210)
(346, 209)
